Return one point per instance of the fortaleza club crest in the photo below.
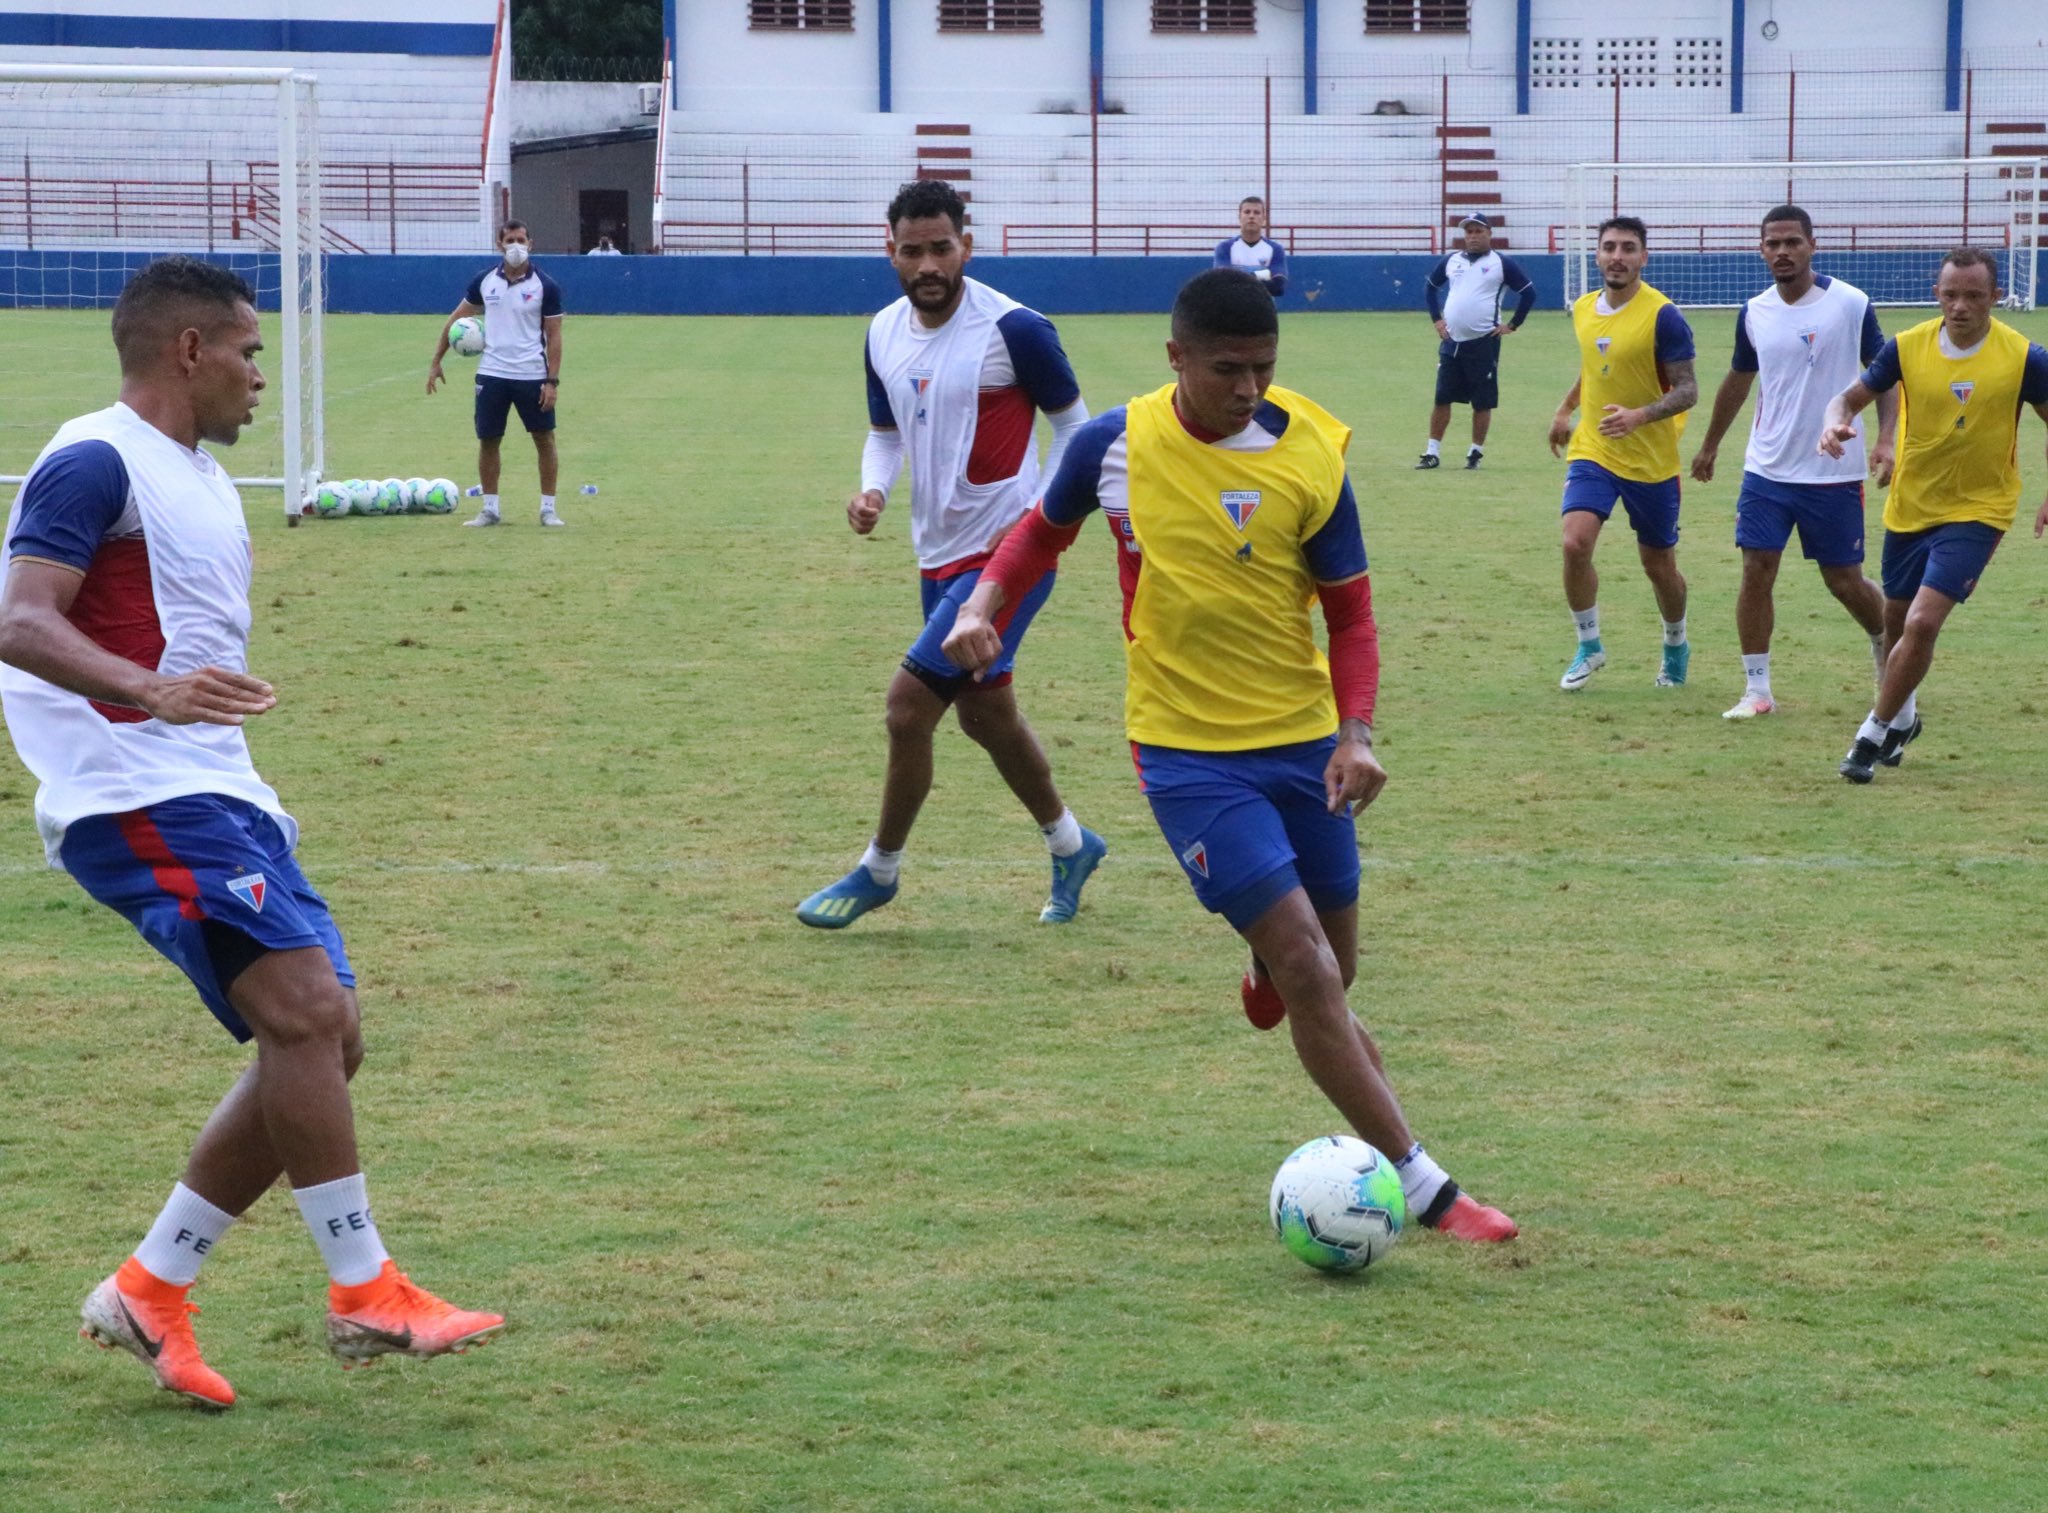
(1197, 857)
(920, 380)
(1962, 389)
(1240, 504)
(1603, 343)
(1809, 336)
(250, 888)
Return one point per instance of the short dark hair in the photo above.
(1250, 199)
(1628, 223)
(1221, 304)
(170, 295)
(1788, 213)
(1970, 257)
(927, 197)
(506, 226)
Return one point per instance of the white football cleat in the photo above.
(1749, 706)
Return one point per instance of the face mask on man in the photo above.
(515, 254)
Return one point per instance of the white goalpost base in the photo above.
(103, 169)
(1881, 225)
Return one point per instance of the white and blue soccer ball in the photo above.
(361, 494)
(466, 337)
(390, 499)
(329, 500)
(1337, 1204)
(440, 496)
(415, 496)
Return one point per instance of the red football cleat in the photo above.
(1467, 1220)
(152, 1321)
(1263, 1005)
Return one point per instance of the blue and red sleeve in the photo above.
(1674, 335)
(1354, 646)
(1033, 546)
(69, 505)
(1039, 361)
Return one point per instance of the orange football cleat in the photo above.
(1468, 1220)
(151, 1320)
(388, 1315)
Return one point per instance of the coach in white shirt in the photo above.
(521, 366)
(1464, 291)
(1252, 250)
(1809, 336)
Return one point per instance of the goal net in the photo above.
(1881, 225)
(103, 169)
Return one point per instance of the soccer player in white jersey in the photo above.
(1252, 250)
(521, 366)
(1464, 291)
(956, 375)
(1810, 336)
(124, 631)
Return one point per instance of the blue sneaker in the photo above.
(1068, 874)
(1590, 659)
(1676, 659)
(838, 906)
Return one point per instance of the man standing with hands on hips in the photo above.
(1465, 290)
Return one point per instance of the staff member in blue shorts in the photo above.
(1464, 291)
(521, 367)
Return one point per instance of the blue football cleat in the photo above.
(1069, 873)
(838, 906)
(1676, 659)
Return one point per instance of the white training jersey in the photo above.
(1805, 354)
(158, 535)
(515, 344)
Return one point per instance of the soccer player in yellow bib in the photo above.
(1635, 384)
(1956, 487)
(1232, 511)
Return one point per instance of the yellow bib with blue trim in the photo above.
(1222, 653)
(1959, 431)
(1618, 366)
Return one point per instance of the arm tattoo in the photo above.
(1683, 394)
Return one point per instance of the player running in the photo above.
(521, 367)
(1232, 503)
(124, 630)
(956, 374)
(1636, 383)
(1956, 489)
(1809, 335)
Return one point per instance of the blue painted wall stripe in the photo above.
(882, 55)
(1308, 57)
(673, 32)
(444, 39)
(1738, 22)
(1524, 33)
(1095, 46)
(1955, 60)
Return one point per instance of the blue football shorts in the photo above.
(1652, 507)
(1948, 559)
(1828, 517)
(941, 599)
(211, 882)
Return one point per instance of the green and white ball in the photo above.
(416, 496)
(440, 497)
(1337, 1204)
(330, 500)
(360, 493)
(466, 337)
(390, 498)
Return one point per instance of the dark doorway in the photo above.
(602, 212)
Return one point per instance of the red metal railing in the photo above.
(1891, 236)
(768, 239)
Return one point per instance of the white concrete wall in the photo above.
(540, 110)
(721, 65)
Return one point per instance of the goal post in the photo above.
(1883, 225)
(103, 169)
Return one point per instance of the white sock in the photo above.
(338, 1213)
(177, 1244)
(1421, 1180)
(882, 865)
(1908, 712)
(1757, 671)
(1063, 835)
(490, 504)
(1475, 450)
(1674, 632)
(1588, 622)
(1434, 448)
(547, 504)
(1872, 730)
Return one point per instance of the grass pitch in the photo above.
(952, 1211)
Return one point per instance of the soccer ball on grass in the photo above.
(1337, 1204)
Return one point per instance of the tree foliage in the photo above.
(586, 39)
